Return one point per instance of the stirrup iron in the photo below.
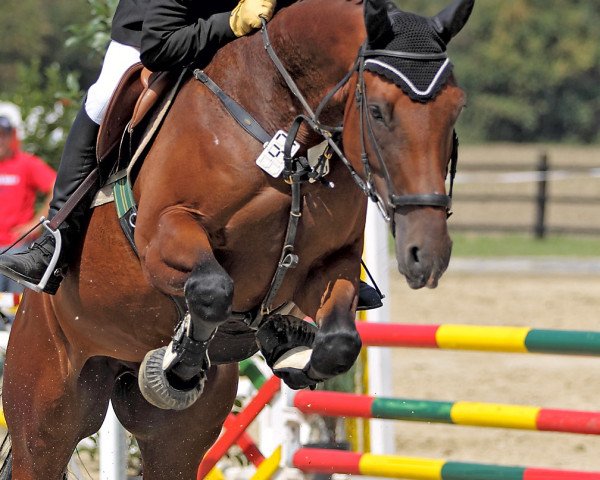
(39, 287)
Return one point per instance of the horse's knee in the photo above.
(209, 293)
(335, 352)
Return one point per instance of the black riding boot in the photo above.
(368, 297)
(78, 160)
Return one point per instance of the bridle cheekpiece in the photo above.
(394, 200)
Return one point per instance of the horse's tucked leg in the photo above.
(208, 294)
(337, 343)
(303, 355)
(50, 401)
(176, 373)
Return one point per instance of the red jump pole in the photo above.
(395, 335)
(241, 422)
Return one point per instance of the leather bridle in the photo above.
(297, 169)
(396, 201)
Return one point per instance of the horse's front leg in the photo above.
(307, 355)
(179, 260)
(337, 342)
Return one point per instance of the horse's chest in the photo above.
(326, 224)
(257, 234)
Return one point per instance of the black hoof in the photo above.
(286, 343)
(285, 334)
(158, 390)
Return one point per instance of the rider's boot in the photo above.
(368, 297)
(78, 160)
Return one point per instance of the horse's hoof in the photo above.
(286, 336)
(157, 390)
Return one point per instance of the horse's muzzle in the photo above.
(423, 246)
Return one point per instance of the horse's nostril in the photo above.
(414, 254)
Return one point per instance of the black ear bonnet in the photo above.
(421, 80)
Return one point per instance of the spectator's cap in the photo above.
(10, 118)
(5, 124)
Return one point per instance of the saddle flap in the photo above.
(155, 85)
(118, 112)
(138, 91)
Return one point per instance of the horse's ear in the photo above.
(452, 19)
(378, 23)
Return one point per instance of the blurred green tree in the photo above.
(531, 69)
(44, 79)
(94, 34)
(49, 100)
(37, 30)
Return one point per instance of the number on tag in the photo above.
(271, 159)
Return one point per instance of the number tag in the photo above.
(271, 158)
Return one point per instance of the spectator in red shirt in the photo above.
(22, 177)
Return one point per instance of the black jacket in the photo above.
(177, 32)
(172, 33)
(127, 22)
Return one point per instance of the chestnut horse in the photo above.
(211, 226)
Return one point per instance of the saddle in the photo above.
(137, 92)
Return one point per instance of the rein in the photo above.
(368, 186)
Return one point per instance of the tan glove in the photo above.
(246, 15)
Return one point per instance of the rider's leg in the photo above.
(368, 297)
(78, 160)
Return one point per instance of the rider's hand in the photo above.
(247, 14)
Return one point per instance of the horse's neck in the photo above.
(317, 41)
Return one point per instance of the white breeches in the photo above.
(117, 60)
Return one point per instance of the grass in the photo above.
(520, 245)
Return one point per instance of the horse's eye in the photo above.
(376, 112)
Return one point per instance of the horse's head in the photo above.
(399, 129)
